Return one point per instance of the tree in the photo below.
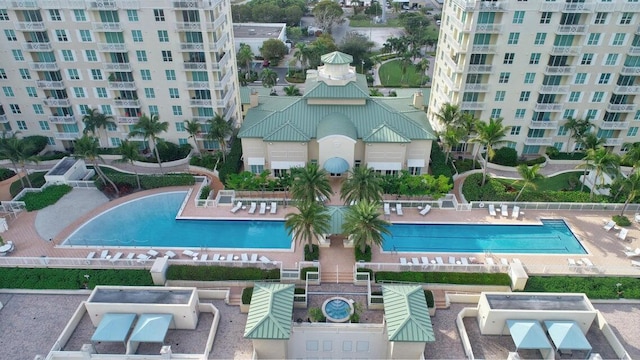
(450, 138)
(602, 161)
(292, 15)
(422, 67)
(219, 130)
(356, 45)
(578, 128)
(489, 134)
(150, 128)
(192, 127)
(241, 13)
(632, 156)
(405, 62)
(18, 152)
(323, 44)
(310, 183)
(292, 90)
(94, 121)
(302, 54)
(364, 226)
(310, 222)
(327, 14)
(87, 148)
(632, 185)
(266, 12)
(273, 50)
(375, 92)
(245, 56)
(449, 114)
(269, 78)
(362, 184)
(128, 154)
(529, 175)
(294, 33)
(591, 141)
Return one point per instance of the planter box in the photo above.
(244, 308)
(432, 311)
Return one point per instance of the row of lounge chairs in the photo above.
(254, 206)
(438, 260)
(150, 254)
(398, 209)
(504, 210)
(610, 224)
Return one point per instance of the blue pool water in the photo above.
(150, 221)
(552, 237)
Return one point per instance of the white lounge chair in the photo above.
(264, 259)
(504, 209)
(622, 235)
(464, 261)
(230, 257)
(152, 253)
(415, 261)
(635, 263)
(399, 209)
(91, 255)
(254, 257)
(216, 257)
(571, 262)
(104, 254)
(244, 257)
(403, 261)
(425, 210)
(189, 253)
(633, 253)
(143, 257)
(516, 212)
(263, 208)
(452, 260)
(636, 217)
(252, 208)
(387, 210)
(425, 260)
(170, 254)
(203, 257)
(115, 257)
(610, 225)
(587, 262)
(274, 208)
(439, 260)
(504, 261)
(237, 207)
(489, 261)
(492, 210)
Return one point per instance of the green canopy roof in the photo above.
(337, 214)
(336, 124)
(270, 312)
(407, 315)
(566, 335)
(336, 58)
(528, 334)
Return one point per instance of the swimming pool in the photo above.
(552, 237)
(150, 221)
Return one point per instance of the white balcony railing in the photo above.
(216, 23)
(559, 70)
(24, 4)
(126, 103)
(621, 89)
(43, 66)
(108, 47)
(201, 102)
(577, 7)
(36, 46)
(127, 120)
(191, 46)
(542, 141)
(612, 142)
(566, 50)
(69, 119)
(472, 105)
(614, 125)
(194, 66)
(492, 6)
(489, 28)
(630, 70)
(548, 107)
(188, 26)
(122, 85)
(634, 50)
(198, 85)
(29, 25)
(222, 84)
(67, 135)
(476, 87)
(117, 66)
(621, 107)
(222, 63)
(220, 44)
(483, 69)
(53, 85)
(106, 26)
(3, 118)
(483, 48)
(571, 29)
(543, 125)
(57, 102)
(222, 103)
(102, 5)
(554, 89)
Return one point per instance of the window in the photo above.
(137, 35)
(163, 35)
(540, 38)
(495, 113)
(15, 108)
(612, 60)
(85, 36)
(604, 78)
(106, 109)
(132, 15)
(61, 35)
(78, 92)
(574, 96)
(159, 14)
(4, 16)
(592, 114)
(597, 96)
(67, 55)
(529, 78)
(594, 39)
(177, 110)
(504, 77)
(32, 92)
(91, 55)
(558, 145)
(145, 74)
(513, 38)
(115, 141)
(101, 92)
(3, 74)
(166, 55)
(500, 95)
(626, 18)
(10, 34)
(153, 110)
(601, 18)
(24, 74)
(173, 93)
(545, 18)
(525, 95)
(149, 93)
(508, 58)
(112, 126)
(633, 131)
(586, 59)
(79, 15)
(515, 130)
(38, 109)
(618, 39)
(17, 55)
(534, 59)
(73, 74)
(180, 127)
(518, 17)
(84, 109)
(171, 74)
(563, 130)
(520, 113)
(568, 113)
(44, 125)
(141, 55)
(8, 91)
(22, 125)
(96, 74)
(213, 145)
(54, 15)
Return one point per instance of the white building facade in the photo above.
(61, 58)
(536, 63)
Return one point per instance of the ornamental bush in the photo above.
(48, 196)
(505, 156)
(219, 273)
(444, 278)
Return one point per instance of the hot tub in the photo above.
(337, 309)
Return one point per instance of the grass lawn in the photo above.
(391, 75)
(555, 183)
(371, 24)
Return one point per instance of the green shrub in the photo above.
(6, 174)
(53, 278)
(37, 180)
(149, 181)
(247, 293)
(204, 194)
(304, 271)
(54, 155)
(219, 273)
(567, 156)
(233, 163)
(48, 196)
(505, 156)
(206, 160)
(594, 287)
(538, 160)
(360, 256)
(444, 278)
(37, 143)
(438, 163)
(169, 152)
(429, 297)
(621, 220)
(552, 152)
(316, 315)
(313, 255)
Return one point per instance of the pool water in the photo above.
(552, 237)
(337, 309)
(150, 221)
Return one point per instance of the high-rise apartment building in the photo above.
(61, 58)
(536, 63)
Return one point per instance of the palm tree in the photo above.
(310, 183)
(94, 121)
(310, 222)
(450, 137)
(269, 78)
(18, 152)
(128, 154)
(192, 127)
(529, 175)
(219, 130)
(602, 161)
(362, 184)
(363, 224)
(578, 128)
(375, 92)
(632, 156)
(292, 90)
(302, 54)
(86, 148)
(405, 61)
(631, 184)
(591, 141)
(489, 134)
(245, 56)
(449, 114)
(422, 67)
(150, 128)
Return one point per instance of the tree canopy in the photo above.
(328, 13)
(269, 11)
(273, 50)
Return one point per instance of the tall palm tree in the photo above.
(529, 175)
(292, 90)
(310, 222)
(422, 67)
(150, 128)
(18, 152)
(602, 161)
(363, 224)
(449, 114)
(591, 141)
(450, 137)
(489, 134)
(128, 154)
(578, 128)
(302, 54)
(219, 130)
(362, 184)
(310, 183)
(631, 184)
(86, 148)
(192, 127)
(269, 78)
(632, 156)
(245, 56)
(375, 92)
(94, 121)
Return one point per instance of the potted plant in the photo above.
(316, 315)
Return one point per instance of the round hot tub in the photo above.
(337, 309)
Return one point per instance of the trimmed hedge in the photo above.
(438, 163)
(621, 220)
(304, 271)
(594, 287)
(312, 255)
(505, 156)
(148, 181)
(52, 278)
(48, 196)
(247, 293)
(37, 180)
(444, 278)
(233, 162)
(219, 273)
(6, 174)
(429, 297)
(360, 256)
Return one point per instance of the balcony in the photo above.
(29, 25)
(548, 107)
(630, 7)
(630, 70)
(191, 46)
(481, 69)
(614, 125)
(540, 141)
(24, 5)
(50, 85)
(222, 63)
(489, 28)
(472, 105)
(106, 26)
(483, 48)
(638, 30)
(476, 87)
(220, 44)
(189, 4)
(194, 66)
(622, 89)
(634, 50)
(197, 85)
(69, 119)
(550, 7)
(216, 23)
(572, 29)
(577, 8)
(3, 118)
(493, 6)
(121, 85)
(57, 102)
(117, 66)
(543, 125)
(554, 89)
(127, 120)
(187, 26)
(200, 102)
(37, 46)
(107, 47)
(222, 103)
(605, 7)
(559, 70)
(621, 107)
(126, 103)
(222, 84)
(44, 66)
(201, 119)
(102, 5)
(612, 142)
(566, 50)
(66, 135)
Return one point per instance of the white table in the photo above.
(5, 248)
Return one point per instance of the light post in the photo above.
(362, 67)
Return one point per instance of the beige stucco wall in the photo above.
(253, 148)
(379, 152)
(419, 149)
(405, 350)
(270, 349)
(286, 151)
(336, 146)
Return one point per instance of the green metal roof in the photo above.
(245, 95)
(336, 58)
(351, 90)
(407, 315)
(337, 214)
(270, 312)
(385, 134)
(336, 124)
